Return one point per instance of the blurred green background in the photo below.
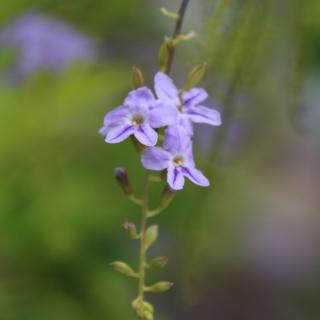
(245, 248)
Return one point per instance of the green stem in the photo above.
(143, 228)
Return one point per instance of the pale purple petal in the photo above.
(194, 96)
(202, 114)
(175, 178)
(146, 135)
(176, 139)
(142, 97)
(155, 158)
(186, 124)
(165, 88)
(195, 176)
(118, 133)
(162, 115)
(115, 115)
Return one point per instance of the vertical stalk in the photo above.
(177, 32)
(143, 227)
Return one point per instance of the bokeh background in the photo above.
(245, 248)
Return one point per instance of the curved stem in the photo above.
(143, 227)
(177, 32)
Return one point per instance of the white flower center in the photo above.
(178, 161)
(137, 119)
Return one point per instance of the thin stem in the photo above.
(143, 227)
(177, 32)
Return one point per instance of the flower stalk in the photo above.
(160, 126)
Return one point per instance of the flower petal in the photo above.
(165, 88)
(202, 114)
(115, 115)
(155, 158)
(195, 176)
(118, 133)
(142, 97)
(176, 140)
(175, 178)
(194, 96)
(146, 135)
(162, 115)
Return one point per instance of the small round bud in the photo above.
(159, 262)
(123, 179)
(131, 230)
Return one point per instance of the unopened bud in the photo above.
(163, 55)
(161, 286)
(166, 196)
(123, 180)
(159, 262)
(131, 230)
(143, 309)
(195, 75)
(137, 78)
(151, 235)
(169, 14)
(123, 268)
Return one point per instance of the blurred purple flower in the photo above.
(139, 114)
(187, 104)
(175, 156)
(45, 43)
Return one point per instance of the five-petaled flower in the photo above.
(176, 157)
(138, 116)
(187, 103)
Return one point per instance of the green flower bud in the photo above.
(137, 78)
(123, 180)
(123, 268)
(169, 14)
(161, 286)
(166, 197)
(163, 55)
(143, 309)
(195, 75)
(151, 235)
(131, 230)
(159, 262)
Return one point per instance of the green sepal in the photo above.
(163, 55)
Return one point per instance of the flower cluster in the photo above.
(142, 114)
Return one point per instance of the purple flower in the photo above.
(186, 104)
(139, 114)
(43, 42)
(175, 156)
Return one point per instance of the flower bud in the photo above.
(131, 230)
(123, 180)
(195, 75)
(137, 78)
(163, 55)
(166, 197)
(151, 235)
(159, 262)
(143, 309)
(123, 268)
(169, 14)
(161, 286)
